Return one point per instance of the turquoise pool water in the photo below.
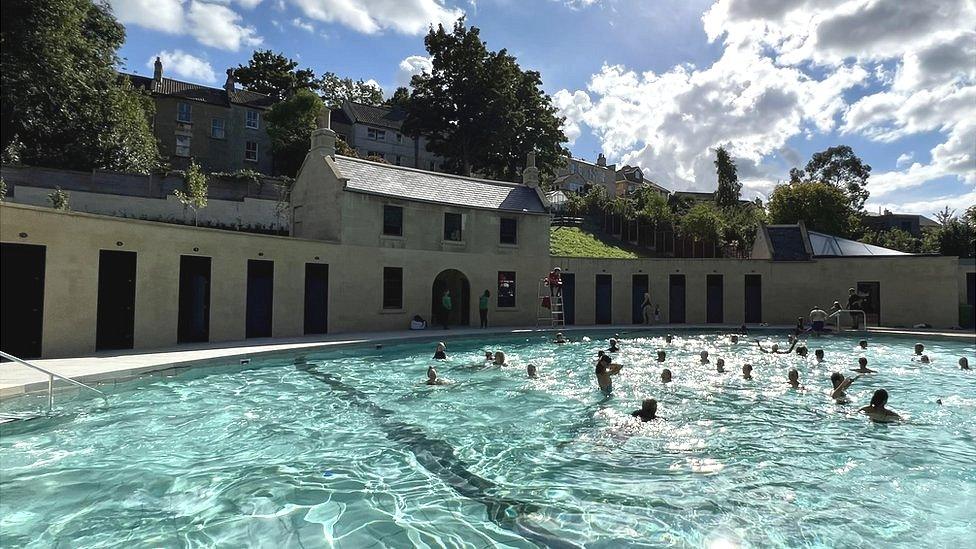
(355, 451)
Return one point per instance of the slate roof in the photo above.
(787, 243)
(383, 117)
(375, 178)
(197, 92)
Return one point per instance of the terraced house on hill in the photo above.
(222, 129)
(378, 131)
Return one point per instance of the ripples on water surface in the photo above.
(357, 452)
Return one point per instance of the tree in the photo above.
(195, 189)
(335, 90)
(274, 75)
(895, 239)
(62, 101)
(953, 237)
(729, 188)
(840, 167)
(479, 110)
(821, 206)
(702, 223)
(290, 126)
(400, 98)
(60, 199)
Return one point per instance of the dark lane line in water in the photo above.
(437, 457)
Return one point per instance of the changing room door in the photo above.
(569, 298)
(194, 313)
(715, 296)
(22, 299)
(316, 298)
(871, 301)
(260, 297)
(115, 324)
(753, 296)
(640, 285)
(604, 295)
(676, 301)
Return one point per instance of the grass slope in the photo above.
(576, 242)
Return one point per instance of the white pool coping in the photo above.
(109, 368)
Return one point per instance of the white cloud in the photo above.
(372, 16)
(184, 65)
(160, 15)
(414, 64)
(904, 159)
(211, 24)
(572, 106)
(299, 23)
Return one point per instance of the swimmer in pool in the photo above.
(560, 339)
(605, 369)
(668, 338)
(489, 357)
(819, 353)
(840, 385)
(862, 367)
(793, 378)
(774, 350)
(665, 376)
(919, 349)
(439, 353)
(877, 411)
(499, 358)
(802, 350)
(661, 356)
(704, 357)
(863, 344)
(747, 371)
(648, 411)
(720, 365)
(925, 359)
(963, 363)
(432, 378)
(613, 346)
(531, 371)
(734, 338)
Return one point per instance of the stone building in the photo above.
(222, 129)
(577, 174)
(631, 178)
(378, 131)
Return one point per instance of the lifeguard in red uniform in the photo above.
(555, 282)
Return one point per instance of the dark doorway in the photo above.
(454, 281)
(676, 299)
(260, 297)
(753, 297)
(971, 298)
(316, 298)
(604, 299)
(640, 285)
(715, 297)
(116, 319)
(569, 298)
(194, 313)
(22, 282)
(870, 293)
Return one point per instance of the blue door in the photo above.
(604, 295)
(676, 301)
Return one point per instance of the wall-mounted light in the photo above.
(22, 235)
(119, 243)
(196, 249)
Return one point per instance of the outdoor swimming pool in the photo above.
(357, 452)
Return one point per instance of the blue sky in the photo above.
(655, 83)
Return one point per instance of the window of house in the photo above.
(508, 231)
(184, 112)
(251, 151)
(252, 119)
(375, 134)
(183, 145)
(398, 160)
(392, 220)
(452, 226)
(506, 288)
(217, 128)
(392, 288)
(399, 138)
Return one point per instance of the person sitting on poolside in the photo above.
(877, 411)
(802, 350)
(862, 367)
(605, 369)
(963, 363)
(668, 338)
(793, 378)
(704, 357)
(775, 348)
(863, 344)
(613, 346)
(432, 378)
(661, 355)
(560, 339)
(648, 411)
(499, 358)
(531, 371)
(439, 353)
(819, 353)
(919, 349)
(747, 371)
(665, 376)
(734, 338)
(840, 385)
(720, 365)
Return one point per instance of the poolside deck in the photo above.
(109, 368)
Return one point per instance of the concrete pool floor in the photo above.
(108, 368)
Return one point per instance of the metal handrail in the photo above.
(851, 311)
(50, 380)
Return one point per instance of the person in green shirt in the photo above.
(483, 308)
(445, 307)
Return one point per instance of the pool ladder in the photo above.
(50, 382)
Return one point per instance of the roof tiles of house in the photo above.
(384, 117)
(411, 184)
(197, 92)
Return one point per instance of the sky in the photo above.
(654, 83)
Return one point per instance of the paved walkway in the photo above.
(120, 366)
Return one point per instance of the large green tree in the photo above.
(954, 236)
(290, 126)
(729, 188)
(840, 167)
(63, 104)
(274, 75)
(335, 90)
(479, 110)
(821, 206)
(400, 98)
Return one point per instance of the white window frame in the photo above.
(247, 119)
(213, 127)
(180, 110)
(246, 151)
(184, 148)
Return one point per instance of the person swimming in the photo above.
(439, 353)
(661, 355)
(499, 358)
(793, 378)
(489, 357)
(613, 346)
(775, 348)
(648, 411)
(925, 359)
(432, 378)
(819, 353)
(840, 385)
(532, 371)
(877, 411)
(668, 338)
(802, 350)
(734, 338)
(919, 349)
(703, 356)
(666, 376)
(747, 371)
(963, 363)
(604, 369)
(720, 365)
(560, 339)
(863, 344)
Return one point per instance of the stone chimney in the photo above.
(601, 160)
(158, 71)
(323, 138)
(530, 175)
(229, 83)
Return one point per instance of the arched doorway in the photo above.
(454, 281)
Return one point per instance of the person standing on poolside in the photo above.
(646, 308)
(854, 304)
(483, 308)
(446, 307)
(605, 369)
(877, 411)
(818, 317)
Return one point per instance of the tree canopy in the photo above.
(840, 167)
(729, 188)
(821, 206)
(274, 75)
(63, 104)
(334, 90)
(290, 126)
(479, 110)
